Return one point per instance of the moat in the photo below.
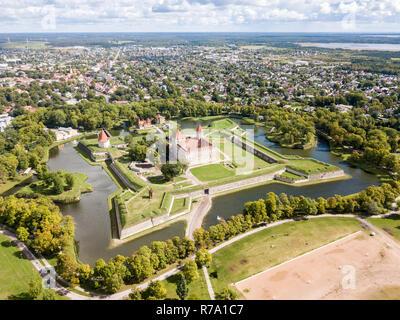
(91, 214)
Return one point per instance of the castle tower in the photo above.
(104, 141)
(199, 132)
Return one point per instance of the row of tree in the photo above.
(374, 200)
(41, 226)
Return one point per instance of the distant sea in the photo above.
(354, 46)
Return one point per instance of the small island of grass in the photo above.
(61, 186)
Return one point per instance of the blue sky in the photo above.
(199, 16)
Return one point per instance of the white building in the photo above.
(65, 133)
(5, 120)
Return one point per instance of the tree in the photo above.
(135, 295)
(8, 164)
(85, 272)
(203, 257)
(49, 294)
(22, 234)
(67, 268)
(58, 185)
(190, 271)
(355, 156)
(113, 283)
(181, 287)
(69, 181)
(171, 170)
(226, 294)
(372, 207)
(155, 290)
(35, 288)
(138, 152)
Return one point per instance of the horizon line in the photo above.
(203, 32)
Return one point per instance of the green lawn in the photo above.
(212, 172)
(310, 166)
(223, 124)
(15, 271)
(197, 289)
(180, 205)
(13, 182)
(390, 225)
(239, 156)
(141, 207)
(273, 246)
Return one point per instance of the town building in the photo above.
(64, 133)
(5, 120)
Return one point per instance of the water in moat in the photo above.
(91, 214)
(231, 204)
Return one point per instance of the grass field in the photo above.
(291, 176)
(212, 172)
(223, 124)
(15, 271)
(197, 289)
(275, 245)
(241, 157)
(180, 205)
(142, 207)
(390, 225)
(310, 166)
(13, 182)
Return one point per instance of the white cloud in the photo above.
(325, 8)
(202, 15)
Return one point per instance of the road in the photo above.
(388, 239)
(197, 216)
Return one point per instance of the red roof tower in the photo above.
(103, 137)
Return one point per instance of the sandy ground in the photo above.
(327, 273)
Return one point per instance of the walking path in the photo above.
(40, 268)
(389, 240)
(197, 216)
(209, 286)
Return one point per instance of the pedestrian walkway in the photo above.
(209, 286)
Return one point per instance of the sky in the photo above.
(199, 16)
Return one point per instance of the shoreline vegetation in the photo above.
(161, 204)
(36, 189)
(253, 215)
(296, 145)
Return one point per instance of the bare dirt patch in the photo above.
(321, 274)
